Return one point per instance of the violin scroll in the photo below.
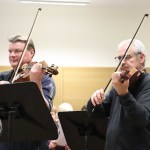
(51, 70)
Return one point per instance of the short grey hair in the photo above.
(65, 107)
(139, 46)
(23, 39)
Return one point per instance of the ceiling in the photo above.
(122, 4)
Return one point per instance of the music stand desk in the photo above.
(24, 114)
(82, 132)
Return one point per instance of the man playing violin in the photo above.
(126, 106)
(45, 82)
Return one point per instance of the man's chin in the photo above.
(13, 66)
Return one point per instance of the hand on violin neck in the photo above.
(36, 72)
(120, 87)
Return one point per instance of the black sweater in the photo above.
(129, 117)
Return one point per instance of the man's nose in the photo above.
(123, 61)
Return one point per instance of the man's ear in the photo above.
(32, 52)
(142, 58)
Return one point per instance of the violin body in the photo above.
(133, 75)
(22, 77)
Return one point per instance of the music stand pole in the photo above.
(10, 115)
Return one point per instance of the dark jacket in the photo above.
(129, 117)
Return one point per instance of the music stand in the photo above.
(24, 114)
(82, 132)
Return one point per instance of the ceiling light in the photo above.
(61, 2)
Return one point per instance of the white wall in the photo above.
(73, 36)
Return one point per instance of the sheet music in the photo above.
(61, 138)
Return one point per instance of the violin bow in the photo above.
(108, 84)
(24, 50)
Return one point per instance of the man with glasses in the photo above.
(126, 106)
(44, 82)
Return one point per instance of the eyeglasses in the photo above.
(128, 57)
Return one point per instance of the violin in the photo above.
(24, 73)
(13, 77)
(133, 75)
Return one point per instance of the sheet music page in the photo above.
(61, 138)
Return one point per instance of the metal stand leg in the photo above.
(10, 116)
